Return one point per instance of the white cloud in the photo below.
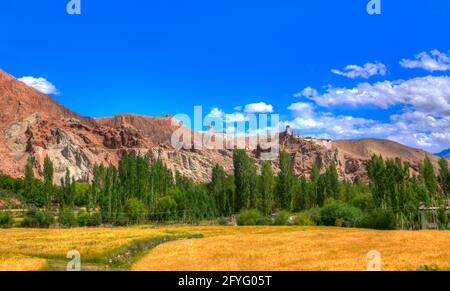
(40, 84)
(260, 107)
(308, 121)
(228, 118)
(367, 71)
(308, 92)
(235, 117)
(427, 94)
(422, 121)
(433, 61)
(216, 113)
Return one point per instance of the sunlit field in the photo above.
(17, 262)
(307, 249)
(225, 248)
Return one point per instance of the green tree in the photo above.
(428, 175)
(285, 185)
(332, 181)
(444, 176)
(48, 180)
(29, 178)
(217, 188)
(246, 195)
(266, 185)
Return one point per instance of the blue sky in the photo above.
(165, 56)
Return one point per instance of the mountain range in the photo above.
(34, 125)
(444, 154)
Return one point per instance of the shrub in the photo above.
(222, 221)
(83, 219)
(135, 210)
(122, 220)
(5, 220)
(95, 219)
(282, 218)
(67, 218)
(379, 219)
(339, 213)
(264, 221)
(363, 201)
(249, 217)
(37, 219)
(314, 214)
(166, 208)
(304, 219)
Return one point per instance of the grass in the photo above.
(17, 262)
(222, 248)
(303, 249)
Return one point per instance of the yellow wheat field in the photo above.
(232, 248)
(307, 249)
(14, 262)
(57, 242)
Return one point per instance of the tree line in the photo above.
(142, 188)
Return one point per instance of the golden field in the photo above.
(302, 249)
(229, 248)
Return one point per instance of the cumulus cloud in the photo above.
(40, 84)
(422, 119)
(260, 107)
(228, 118)
(308, 121)
(308, 92)
(366, 71)
(216, 113)
(427, 94)
(432, 61)
(235, 117)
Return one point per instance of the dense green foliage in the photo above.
(143, 189)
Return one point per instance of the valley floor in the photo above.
(222, 248)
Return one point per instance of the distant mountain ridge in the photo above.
(444, 154)
(34, 125)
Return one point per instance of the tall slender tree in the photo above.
(428, 175)
(48, 181)
(267, 186)
(285, 185)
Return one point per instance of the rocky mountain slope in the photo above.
(33, 124)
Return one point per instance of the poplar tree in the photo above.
(428, 175)
(444, 176)
(267, 185)
(285, 186)
(48, 180)
(217, 188)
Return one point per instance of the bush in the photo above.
(5, 220)
(222, 221)
(95, 219)
(314, 214)
(166, 209)
(264, 221)
(249, 217)
(67, 218)
(363, 201)
(304, 219)
(282, 218)
(338, 213)
(83, 219)
(379, 219)
(122, 220)
(37, 219)
(135, 210)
